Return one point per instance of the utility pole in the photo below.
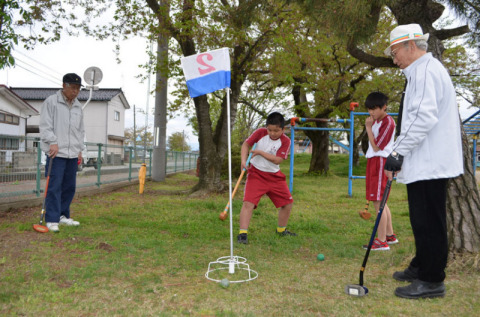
(134, 134)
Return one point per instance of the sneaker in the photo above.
(392, 239)
(242, 238)
(286, 233)
(378, 245)
(53, 226)
(68, 221)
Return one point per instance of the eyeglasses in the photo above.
(392, 52)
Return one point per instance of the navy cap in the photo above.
(72, 78)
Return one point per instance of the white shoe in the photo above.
(68, 221)
(53, 226)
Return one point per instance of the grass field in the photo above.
(147, 255)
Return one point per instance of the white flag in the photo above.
(207, 72)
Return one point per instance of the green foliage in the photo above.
(8, 37)
(463, 67)
(236, 166)
(178, 142)
(138, 136)
(349, 18)
(32, 22)
(470, 11)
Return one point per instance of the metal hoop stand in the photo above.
(230, 264)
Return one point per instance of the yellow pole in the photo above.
(141, 177)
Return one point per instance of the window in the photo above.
(9, 144)
(117, 116)
(9, 118)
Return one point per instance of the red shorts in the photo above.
(376, 179)
(272, 184)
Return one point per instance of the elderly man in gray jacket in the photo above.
(426, 153)
(62, 134)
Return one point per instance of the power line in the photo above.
(34, 60)
(38, 69)
(28, 70)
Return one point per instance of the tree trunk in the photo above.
(319, 163)
(210, 160)
(463, 207)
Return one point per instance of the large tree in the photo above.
(324, 79)
(245, 26)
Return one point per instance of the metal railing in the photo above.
(22, 165)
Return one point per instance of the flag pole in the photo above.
(193, 65)
(231, 267)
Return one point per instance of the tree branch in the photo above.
(253, 107)
(445, 34)
(369, 59)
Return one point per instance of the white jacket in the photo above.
(430, 139)
(62, 125)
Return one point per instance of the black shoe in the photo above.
(242, 238)
(421, 289)
(409, 275)
(286, 233)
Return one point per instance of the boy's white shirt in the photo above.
(388, 148)
(270, 146)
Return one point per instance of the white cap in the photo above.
(404, 33)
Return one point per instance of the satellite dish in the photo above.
(93, 76)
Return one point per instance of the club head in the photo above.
(356, 290)
(40, 228)
(223, 216)
(365, 214)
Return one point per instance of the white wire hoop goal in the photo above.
(217, 270)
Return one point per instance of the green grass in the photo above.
(147, 255)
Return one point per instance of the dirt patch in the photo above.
(19, 214)
(105, 247)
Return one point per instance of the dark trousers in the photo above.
(427, 206)
(61, 188)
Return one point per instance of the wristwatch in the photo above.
(395, 155)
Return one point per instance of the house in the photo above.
(14, 115)
(104, 116)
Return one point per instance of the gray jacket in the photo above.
(62, 125)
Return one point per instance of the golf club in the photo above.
(358, 289)
(223, 214)
(40, 227)
(364, 214)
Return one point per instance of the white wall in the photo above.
(116, 128)
(95, 118)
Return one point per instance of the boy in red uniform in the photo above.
(264, 175)
(380, 129)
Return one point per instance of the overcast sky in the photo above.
(46, 64)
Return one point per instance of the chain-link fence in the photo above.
(22, 165)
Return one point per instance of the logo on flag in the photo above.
(207, 72)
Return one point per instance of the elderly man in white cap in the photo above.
(426, 153)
